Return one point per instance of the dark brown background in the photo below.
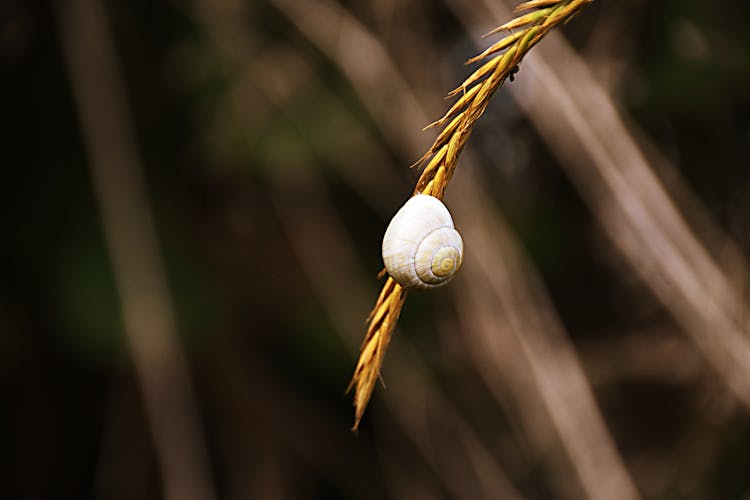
(274, 138)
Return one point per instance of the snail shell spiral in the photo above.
(421, 247)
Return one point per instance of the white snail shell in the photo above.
(421, 247)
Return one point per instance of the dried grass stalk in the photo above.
(537, 19)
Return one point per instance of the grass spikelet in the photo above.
(381, 323)
(440, 161)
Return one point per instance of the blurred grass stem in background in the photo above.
(147, 309)
(601, 156)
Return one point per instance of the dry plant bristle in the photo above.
(382, 322)
(535, 4)
(494, 48)
(440, 161)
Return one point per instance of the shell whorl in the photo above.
(421, 247)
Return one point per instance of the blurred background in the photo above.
(193, 200)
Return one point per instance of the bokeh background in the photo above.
(193, 198)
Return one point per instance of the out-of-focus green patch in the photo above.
(249, 132)
(545, 234)
(310, 127)
(194, 306)
(730, 474)
(86, 300)
(691, 68)
(312, 347)
(88, 304)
